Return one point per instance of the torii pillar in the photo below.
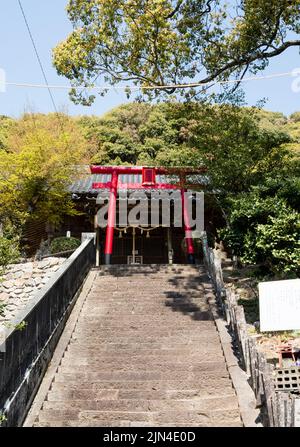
(187, 229)
(111, 220)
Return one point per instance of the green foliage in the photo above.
(236, 149)
(239, 145)
(36, 170)
(3, 418)
(286, 188)
(279, 241)
(229, 140)
(133, 134)
(21, 326)
(167, 42)
(295, 117)
(9, 251)
(61, 244)
(6, 125)
(17, 327)
(264, 230)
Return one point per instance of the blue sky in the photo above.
(49, 25)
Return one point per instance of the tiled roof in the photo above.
(84, 184)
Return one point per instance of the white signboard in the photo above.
(279, 305)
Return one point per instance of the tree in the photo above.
(166, 42)
(231, 142)
(6, 124)
(9, 252)
(264, 230)
(37, 168)
(136, 133)
(279, 241)
(238, 145)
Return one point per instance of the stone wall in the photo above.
(21, 282)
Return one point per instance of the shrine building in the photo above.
(141, 215)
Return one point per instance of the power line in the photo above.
(151, 87)
(38, 57)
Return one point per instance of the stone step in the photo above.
(157, 304)
(164, 277)
(208, 382)
(112, 298)
(172, 322)
(162, 274)
(210, 418)
(151, 296)
(161, 340)
(132, 286)
(191, 332)
(124, 305)
(140, 353)
(151, 268)
(200, 404)
(112, 361)
(127, 306)
(132, 333)
(137, 324)
(136, 320)
(191, 358)
(67, 374)
(188, 312)
(145, 352)
(146, 287)
(121, 350)
(149, 283)
(124, 275)
(162, 366)
(112, 423)
(148, 299)
(194, 331)
(104, 312)
(130, 344)
(61, 392)
(152, 276)
(131, 347)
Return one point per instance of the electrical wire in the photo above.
(150, 87)
(38, 57)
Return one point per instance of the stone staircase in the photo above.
(144, 352)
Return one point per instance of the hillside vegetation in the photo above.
(252, 158)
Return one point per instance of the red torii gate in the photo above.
(148, 181)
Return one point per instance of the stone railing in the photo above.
(277, 408)
(25, 354)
